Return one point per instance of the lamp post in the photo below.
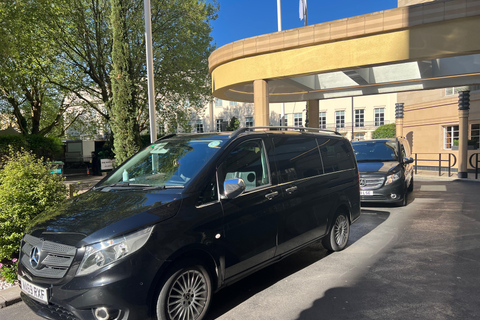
(150, 82)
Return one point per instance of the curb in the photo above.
(9, 296)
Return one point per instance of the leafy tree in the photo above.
(385, 131)
(234, 124)
(124, 125)
(27, 188)
(37, 104)
(181, 30)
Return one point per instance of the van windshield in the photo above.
(380, 151)
(167, 163)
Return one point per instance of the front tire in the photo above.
(337, 238)
(186, 294)
(410, 187)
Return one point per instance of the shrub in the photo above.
(8, 270)
(234, 124)
(27, 188)
(48, 148)
(384, 132)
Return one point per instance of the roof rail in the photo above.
(282, 128)
(166, 137)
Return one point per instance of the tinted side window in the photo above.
(248, 162)
(336, 155)
(297, 157)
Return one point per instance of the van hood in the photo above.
(97, 216)
(377, 166)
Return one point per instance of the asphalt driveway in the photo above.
(421, 261)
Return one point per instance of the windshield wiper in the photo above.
(120, 185)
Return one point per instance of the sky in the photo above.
(240, 19)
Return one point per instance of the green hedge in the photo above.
(384, 132)
(42, 147)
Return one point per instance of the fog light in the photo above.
(102, 313)
(105, 314)
(393, 196)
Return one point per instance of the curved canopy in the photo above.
(426, 46)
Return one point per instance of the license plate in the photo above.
(366, 193)
(36, 292)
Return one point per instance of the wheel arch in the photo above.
(195, 254)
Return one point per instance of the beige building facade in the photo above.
(361, 115)
(431, 124)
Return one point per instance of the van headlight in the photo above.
(104, 253)
(393, 177)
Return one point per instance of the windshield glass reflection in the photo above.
(380, 151)
(168, 163)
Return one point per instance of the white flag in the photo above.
(301, 9)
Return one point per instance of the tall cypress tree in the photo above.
(124, 123)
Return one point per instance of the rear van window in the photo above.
(297, 157)
(336, 155)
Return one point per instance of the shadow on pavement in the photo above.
(230, 297)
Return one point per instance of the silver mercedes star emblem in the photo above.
(363, 183)
(35, 257)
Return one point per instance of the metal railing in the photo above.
(440, 160)
(477, 161)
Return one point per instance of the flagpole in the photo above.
(279, 15)
(306, 11)
(302, 10)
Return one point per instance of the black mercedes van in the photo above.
(185, 217)
(386, 170)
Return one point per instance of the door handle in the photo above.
(291, 189)
(272, 195)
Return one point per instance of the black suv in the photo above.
(386, 170)
(185, 217)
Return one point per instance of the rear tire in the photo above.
(186, 294)
(337, 238)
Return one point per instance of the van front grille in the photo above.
(46, 259)
(371, 183)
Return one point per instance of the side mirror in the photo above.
(408, 160)
(233, 188)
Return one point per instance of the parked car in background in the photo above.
(185, 217)
(386, 170)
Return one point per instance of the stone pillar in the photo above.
(261, 104)
(313, 115)
(463, 112)
(212, 117)
(399, 119)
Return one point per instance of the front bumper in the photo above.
(392, 193)
(125, 289)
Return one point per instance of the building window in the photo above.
(359, 136)
(218, 102)
(339, 119)
(233, 103)
(249, 122)
(379, 117)
(199, 126)
(161, 129)
(450, 137)
(359, 118)
(475, 135)
(297, 120)
(218, 125)
(322, 121)
(284, 121)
